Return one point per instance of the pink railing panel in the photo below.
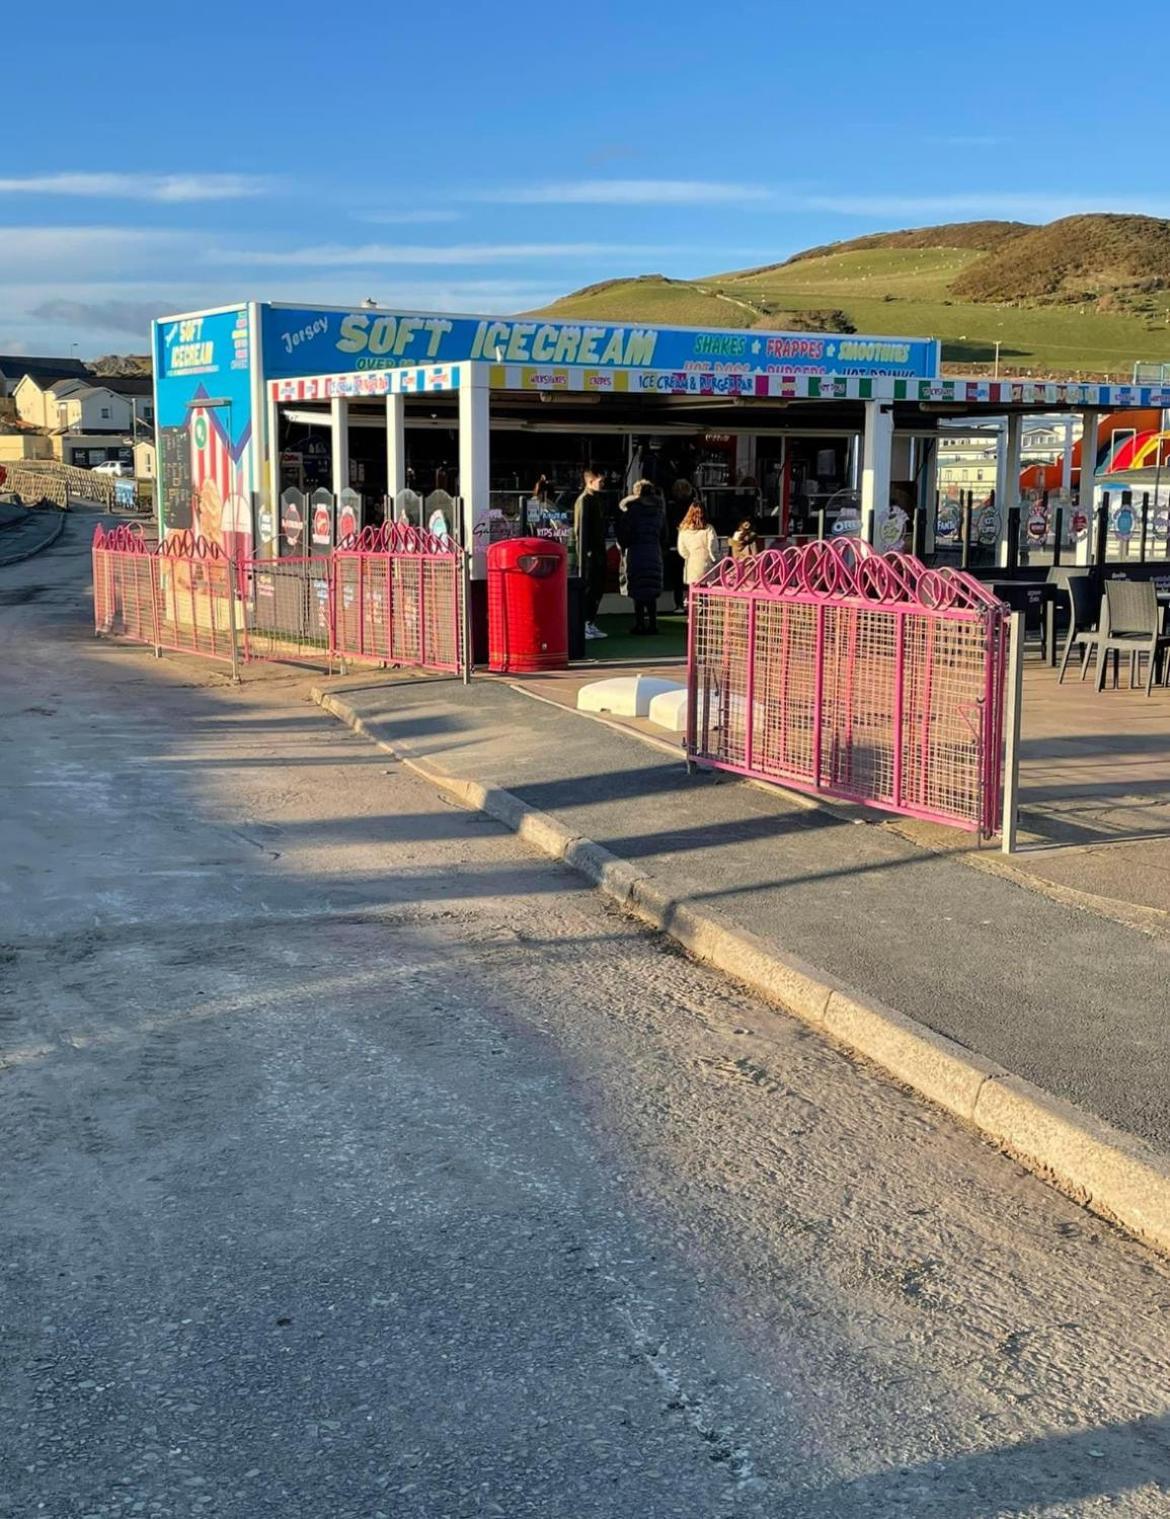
(871, 678)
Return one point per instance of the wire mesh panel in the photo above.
(124, 581)
(177, 596)
(866, 677)
(393, 595)
(398, 599)
(287, 609)
(194, 597)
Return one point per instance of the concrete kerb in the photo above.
(1111, 1172)
(46, 542)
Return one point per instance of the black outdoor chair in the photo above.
(1084, 614)
(1131, 620)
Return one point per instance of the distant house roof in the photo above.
(44, 382)
(69, 387)
(14, 366)
(126, 384)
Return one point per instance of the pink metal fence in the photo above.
(867, 677)
(175, 595)
(394, 595)
(398, 598)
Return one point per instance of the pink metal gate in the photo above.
(867, 677)
(399, 598)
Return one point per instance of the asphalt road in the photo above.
(23, 530)
(357, 1163)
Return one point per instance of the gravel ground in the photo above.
(360, 1164)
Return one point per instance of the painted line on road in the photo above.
(1103, 1168)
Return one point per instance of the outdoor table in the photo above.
(1028, 595)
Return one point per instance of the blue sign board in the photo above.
(311, 341)
(203, 408)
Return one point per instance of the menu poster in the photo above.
(174, 474)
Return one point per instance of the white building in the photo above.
(75, 406)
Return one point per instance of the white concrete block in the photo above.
(624, 695)
(669, 710)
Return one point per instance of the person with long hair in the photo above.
(697, 543)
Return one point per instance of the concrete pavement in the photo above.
(359, 1164)
(1072, 1002)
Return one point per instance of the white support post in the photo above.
(339, 438)
(1007, 479)
(876, 455)
(268, 523)
(928, 490)
(395, 449)
(474, 463)
(1087, 491)
(1066, 461)
(1013, 704)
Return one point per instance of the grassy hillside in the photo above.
(978, 237)
(651, 299)
(1077, 258)
(1084, 295)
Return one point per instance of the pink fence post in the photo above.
(422, 610)
(750, 687)
(154, 580)
(927, 703)
(818, 696)
(692, 683)
(899, 702)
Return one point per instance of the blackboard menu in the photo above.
(174, 475)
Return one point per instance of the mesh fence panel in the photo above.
(877, 682)
(124, 590)
(395, 597)
(287, 610)
(194, 598)
(398, 599)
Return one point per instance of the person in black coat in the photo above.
(589, 533)
(641, 531)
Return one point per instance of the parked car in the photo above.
(114, 467)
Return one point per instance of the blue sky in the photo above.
(489, 157)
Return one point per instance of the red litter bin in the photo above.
(528, 605)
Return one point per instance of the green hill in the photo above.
(1087, 294)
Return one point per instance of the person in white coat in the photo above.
(697, 544)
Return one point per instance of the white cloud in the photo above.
(174, 188)
(628, 192)
(132, 318)
(80, 252)
(338, 255)
(410, 218)
(100, 314)
(1041, 207)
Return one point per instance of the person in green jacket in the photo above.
(589, 532)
